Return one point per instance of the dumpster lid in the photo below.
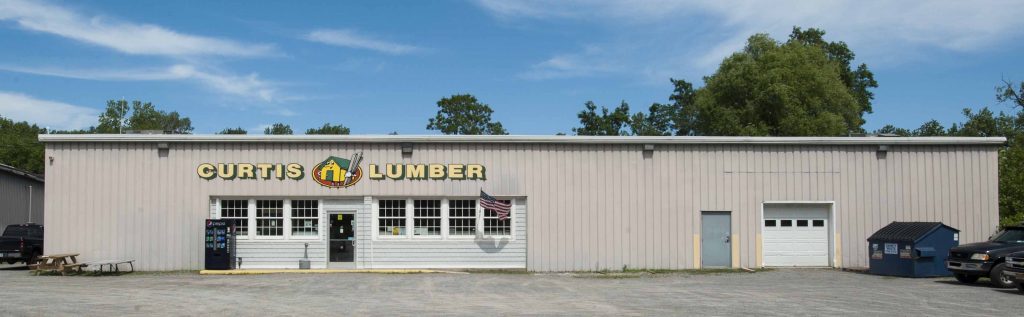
(907, 231)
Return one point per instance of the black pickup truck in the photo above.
(21, 243)
(986, 259)
(1015, 269)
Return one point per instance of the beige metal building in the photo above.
(21, 197)
(578, 203)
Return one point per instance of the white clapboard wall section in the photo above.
(406, 253)
(468, 253)
(277, 254)
(478, 253)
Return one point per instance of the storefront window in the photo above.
(305, 217)
(494, 226)
(269, 218)
(462, 217)
(391, 217)
(426, 217)
(238, 212)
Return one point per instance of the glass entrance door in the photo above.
(342, 238)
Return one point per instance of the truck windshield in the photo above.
(16, 231)
(1011, 235)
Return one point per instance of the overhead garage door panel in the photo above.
(796, 235)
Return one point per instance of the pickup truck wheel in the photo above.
(998, 278)
(966, 279)
(12, 261)
(1020, 287)
(32, 259)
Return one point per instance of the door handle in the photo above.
(727, 239)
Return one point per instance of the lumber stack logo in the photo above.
(336, 172)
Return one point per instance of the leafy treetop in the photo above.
(464, 114)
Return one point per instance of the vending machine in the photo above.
(220, 244)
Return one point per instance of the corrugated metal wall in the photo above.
(14, 200)
(591, 206)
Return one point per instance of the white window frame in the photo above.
(286, 225)
(376, 220)
(218, 214)
(445, 236)
(215, 213)
(319, 220)
(410, 211)
(482, 215)
(448, 218)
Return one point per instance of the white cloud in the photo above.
(589, 62)
(248, 86)
(126, 37)
(45, 113)
(880, 31)
(352, 39)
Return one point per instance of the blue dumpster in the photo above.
(912, 249)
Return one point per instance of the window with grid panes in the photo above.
(391, 217)
(462, 217)
(305, 217)
(493, 226)
(426, 217)
(269, 218)
(236, 210)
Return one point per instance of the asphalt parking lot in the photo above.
(775, 293)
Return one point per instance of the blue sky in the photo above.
(379, 67)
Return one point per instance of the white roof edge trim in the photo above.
(215, 138)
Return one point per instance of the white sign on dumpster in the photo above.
(891, 248)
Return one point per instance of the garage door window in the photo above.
(769, 223)
(787, 223)
(819, 223)
(801, 223)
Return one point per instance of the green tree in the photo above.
(329, 129)
(683, 96)
(604, 123)
(930, 128)
(1006, 93)
(119, 118)
(858, 80)
(464, 114)
(115, 118)
(796, 88)
(656, 122)
(986, 123)
(278, 129)
(20, 146)
(893, 130)
(238, 130)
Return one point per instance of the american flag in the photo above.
(499, 207)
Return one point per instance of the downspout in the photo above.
(30, 203)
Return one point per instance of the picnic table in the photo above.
(63, 263)
(112, 265)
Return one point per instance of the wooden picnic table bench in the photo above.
(61, 262)
(112, 265)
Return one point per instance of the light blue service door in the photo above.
(715, 244)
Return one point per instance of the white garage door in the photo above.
(796, 235)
